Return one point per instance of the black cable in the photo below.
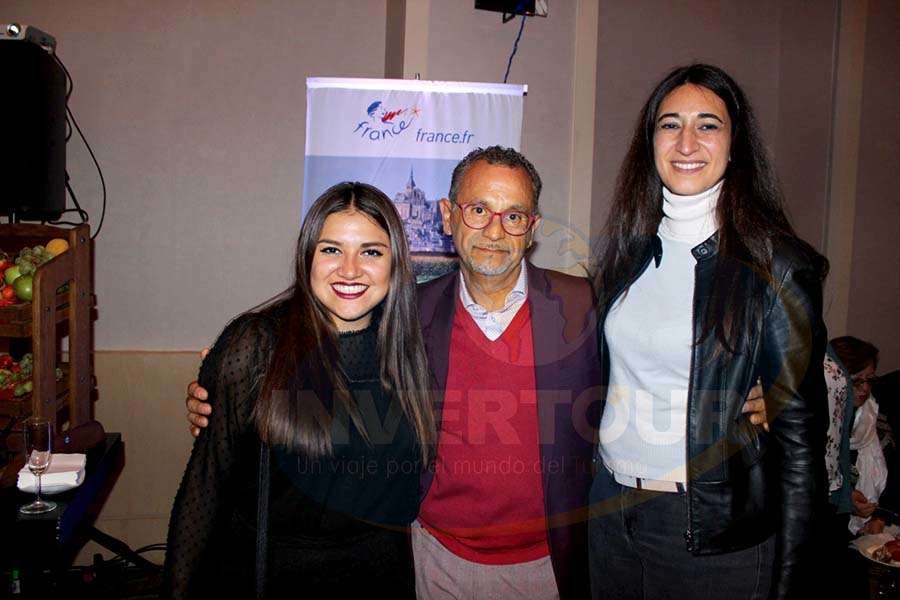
(81, 212)
(70, 83)
(515, 48)
(119, 559)
(70, 87)
(151, 548)
(71, 116)
(99, 171)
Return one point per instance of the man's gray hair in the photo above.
(497, 155)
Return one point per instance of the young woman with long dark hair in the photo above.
(308, 472)
(705, 289)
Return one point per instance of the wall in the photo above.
(196, 111)
(141, 396)
(781, 53)
(740, 37)
(471, 45)
(874, 312)
(802, 139)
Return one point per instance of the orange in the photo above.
(57, 246)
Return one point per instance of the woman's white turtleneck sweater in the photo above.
(648, 332)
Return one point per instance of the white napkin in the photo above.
(66, 471)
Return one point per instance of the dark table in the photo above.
(874, 581)
(39, 547)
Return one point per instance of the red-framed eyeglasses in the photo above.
(478, 216)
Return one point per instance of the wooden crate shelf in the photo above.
(16, 320)
(38, 321)
(22, 406)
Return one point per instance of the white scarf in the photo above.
(870, 461)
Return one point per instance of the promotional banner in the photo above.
(404, 137)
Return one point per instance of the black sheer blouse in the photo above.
(335, 523)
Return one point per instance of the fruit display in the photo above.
(15, 377)
(18, 273)
(41, 262)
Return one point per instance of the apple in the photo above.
(23, 287)
(11, 274)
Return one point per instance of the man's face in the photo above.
(490, 251)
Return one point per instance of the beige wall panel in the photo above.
(142, 396)
(136, 531)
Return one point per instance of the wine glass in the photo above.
(38, 445)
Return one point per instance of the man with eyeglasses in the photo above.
(513, 353)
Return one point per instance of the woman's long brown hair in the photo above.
(750, 211)
(304, 387)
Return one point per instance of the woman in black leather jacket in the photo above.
(704, 290)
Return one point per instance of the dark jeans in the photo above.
(637, 551)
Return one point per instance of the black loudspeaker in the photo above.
(33, 143)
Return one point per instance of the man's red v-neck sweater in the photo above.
(486, 502)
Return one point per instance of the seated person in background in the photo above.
(836, 535)
(886, 390)
(869, 467)
(837, 444)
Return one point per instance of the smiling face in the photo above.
(351, 268)
(692, 141)
(490, 251)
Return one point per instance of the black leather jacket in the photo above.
(745, 484)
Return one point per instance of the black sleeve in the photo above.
(231, 373)
(794, 341)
